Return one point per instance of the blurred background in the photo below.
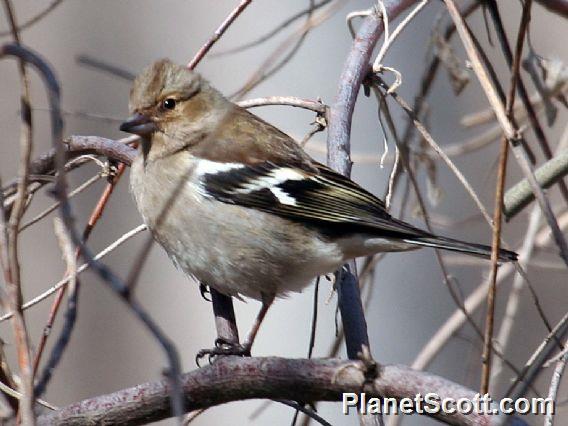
(110, 350)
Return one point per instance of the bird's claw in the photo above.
(223, 348)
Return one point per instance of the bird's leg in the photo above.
(266, 304)
(224, 347)
(225, 322)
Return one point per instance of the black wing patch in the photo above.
(326, 199)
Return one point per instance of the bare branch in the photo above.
(232, 379)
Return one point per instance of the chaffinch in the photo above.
(238, 204)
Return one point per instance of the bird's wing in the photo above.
(320, 197)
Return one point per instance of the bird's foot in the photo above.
(223, 348)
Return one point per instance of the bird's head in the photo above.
(173, 105)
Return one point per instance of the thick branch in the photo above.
(75, 146)
(341, 112)
(340, 115)
(232, 379)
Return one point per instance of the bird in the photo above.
(240, 206)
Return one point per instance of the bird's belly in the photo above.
(236, 250)
(231, 249)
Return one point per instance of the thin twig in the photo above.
(43, 168)
(192, 415)
(475, 143)
(310, 345)
(377, 64)
(458, 259)
(429, 75)
(315, 106)
(87, 115)
(487, 115)
(448, 281)
(54, 206)
(218, 33)
(498, 209)
(513, 299)
(428, 138)
(5, 373)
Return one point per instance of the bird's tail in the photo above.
(462, 247)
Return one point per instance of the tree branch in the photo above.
(233, 378)
(354, 72)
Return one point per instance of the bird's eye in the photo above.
(169, 103)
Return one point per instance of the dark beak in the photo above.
(138, 124)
